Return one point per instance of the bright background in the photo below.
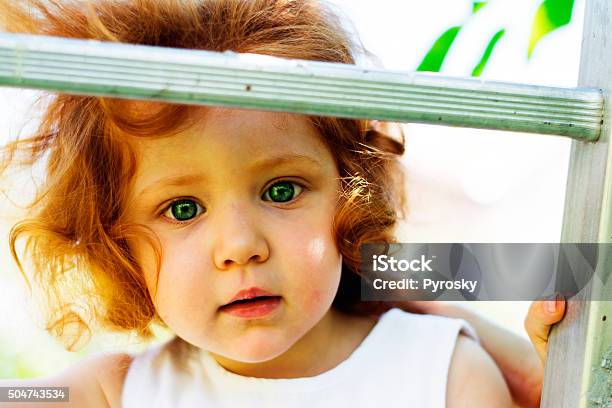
(464, 185)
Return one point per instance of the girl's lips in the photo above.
(252, 309)
(250, 293)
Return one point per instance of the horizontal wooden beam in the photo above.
(308, 87)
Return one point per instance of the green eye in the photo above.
(183, 210)
(282, 192)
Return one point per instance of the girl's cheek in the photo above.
(315, 298)
(316, 250)
(321, 275)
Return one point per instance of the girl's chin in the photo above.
(253, 350)
(254, 355)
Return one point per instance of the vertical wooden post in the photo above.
(579, 368)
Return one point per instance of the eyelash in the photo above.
(174, 221)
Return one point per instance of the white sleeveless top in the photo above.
(403, 362)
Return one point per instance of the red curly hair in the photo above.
(76, 236)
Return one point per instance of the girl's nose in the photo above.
(238, 238)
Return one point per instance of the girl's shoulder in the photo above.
(96, 381)
(110, 370)
(473, 378)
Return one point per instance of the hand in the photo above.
(541, 316)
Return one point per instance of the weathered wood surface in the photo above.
(574, 376)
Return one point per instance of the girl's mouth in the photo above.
(252, 308)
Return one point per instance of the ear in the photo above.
(385, 136)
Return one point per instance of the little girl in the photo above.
(238, 230)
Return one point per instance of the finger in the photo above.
(540, 317)
(547, 312)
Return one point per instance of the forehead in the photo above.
(232, 137)
(243, 127)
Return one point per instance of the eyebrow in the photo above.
(284, 159)
(268, 162)
(173, 181)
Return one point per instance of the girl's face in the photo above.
(245, 199)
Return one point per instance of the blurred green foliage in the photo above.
(487, 53)
(16, 365)
(42, 358)
(437, 53)
(477, 5)
(433, 60)
(551, 15)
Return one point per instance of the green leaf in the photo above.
(437, 53)
(551, 15)
(487, 53)
(477, 5)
